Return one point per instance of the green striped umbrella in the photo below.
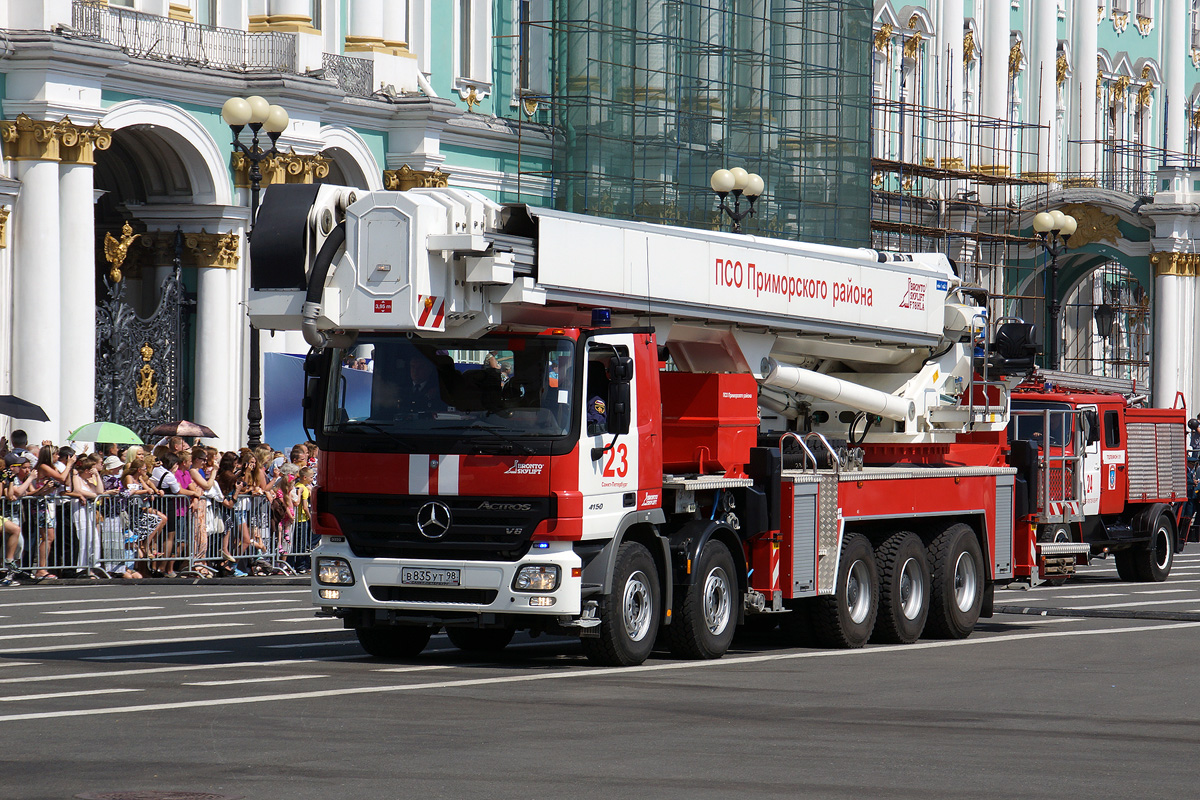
(105, 432)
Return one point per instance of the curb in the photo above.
(1098, 613)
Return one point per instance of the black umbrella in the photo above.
(15, 407)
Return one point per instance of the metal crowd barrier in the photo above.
(158, 536)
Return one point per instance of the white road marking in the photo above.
(192, 627)
(1167, 591)
(105, 610)
(308, 644)
(1133, 605)
(54, 695)
(308, 612)
(1084, 596)
(155, 655)
(239, 681)
(20, 663)
(116, 673)
(421, 669)
(1023, 619)
(47, 635)
(242, 603)
(723, 663)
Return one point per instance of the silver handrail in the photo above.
(833, 456)
(811, 458)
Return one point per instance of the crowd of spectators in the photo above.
(163, 511)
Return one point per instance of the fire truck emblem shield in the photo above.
(433, 520)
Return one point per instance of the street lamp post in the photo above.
(740, 183)
(259, 115)
(1054, 228)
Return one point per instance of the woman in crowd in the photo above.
(254, 485)
(52, 479)
(146, 522)
(230, 487)
(85, 488)
(18, 478)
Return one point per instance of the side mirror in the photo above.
(1091, 426)
(620, 408)
(316, 365)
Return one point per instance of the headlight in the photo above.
(536, 578)
(334, 571)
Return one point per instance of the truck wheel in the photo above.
(401, 641)
(847, 617)
(1126, 568)
(704, 622)
(956, 596)
(630, 614)
(1153, 560)
(480, 640)
(903, 589)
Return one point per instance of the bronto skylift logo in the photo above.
(914, 296)
(524, 469)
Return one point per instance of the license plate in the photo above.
(421, 576)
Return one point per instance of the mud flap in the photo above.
(989, 598)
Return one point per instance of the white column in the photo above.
(952, 76)
(994, 78)
(1045, 41)
(1083, 85)
(36, 297)
(290, 10)
(77, 361)
(219, 354)
(366, 23)
(1175, 66)
(1168, 353)
(395, 23)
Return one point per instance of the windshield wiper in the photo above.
(377, 428)
(511, 442)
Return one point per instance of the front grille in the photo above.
(426, 594)
(385, 526)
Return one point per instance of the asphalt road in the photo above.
(240, 691)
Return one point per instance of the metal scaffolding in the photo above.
(651, 96)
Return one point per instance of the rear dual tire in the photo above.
(957, 583)
(904, 589)
(846, 618)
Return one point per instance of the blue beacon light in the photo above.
(601, 317)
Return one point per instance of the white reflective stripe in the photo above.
(448, 475)
(418, 474)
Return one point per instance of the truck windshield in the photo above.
(508, 390)
(1028, 422)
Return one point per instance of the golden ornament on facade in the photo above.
(117, 250)
(1144, 24)
(4, 212)
(883, 38)
(1120, 21)
(1143, 95)
(1121, 87)
(27, 139)
(146, 391)
(1014, 59)
(405, 178)
(1185, 265)
(912, 45)
(472, 99)
(1092, 225)
(289, 167)
(1060, 69)
(968, 47)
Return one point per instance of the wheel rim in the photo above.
(912, 589)
(966, 580)
(716, 601)
(1162, 547)
(1062, 535)
(858, 592)
(637, 606)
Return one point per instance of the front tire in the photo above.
(1153, 560)
(401, 641)
(630, 614)
(480, 640)
(847, 617)
(705, 621)
(903, 589)
(957, 583)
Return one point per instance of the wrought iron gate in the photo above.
(138, 360)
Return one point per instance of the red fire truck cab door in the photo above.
(1114, 473)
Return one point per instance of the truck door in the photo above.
(1114, 476)
(1091, 465)
(609, 483)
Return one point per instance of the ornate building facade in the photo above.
(111, 131)
(986, 113)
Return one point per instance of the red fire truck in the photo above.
(560, 431)
(1111, 479)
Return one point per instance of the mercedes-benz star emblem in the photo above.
(433, 520)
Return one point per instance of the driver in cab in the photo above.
(425, 395)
